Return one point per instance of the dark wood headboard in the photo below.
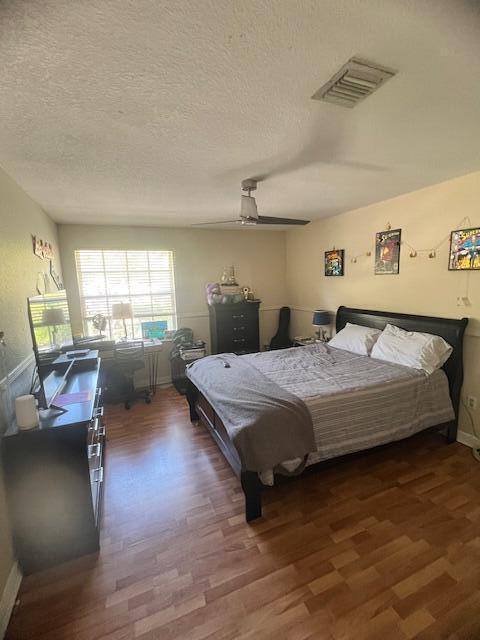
(450, 330)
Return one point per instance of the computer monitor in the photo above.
(154, 329)
(49, 319)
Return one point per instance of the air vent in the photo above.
(355, 81)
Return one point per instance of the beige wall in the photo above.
(20, 217)
(200, 255)
(423, 286)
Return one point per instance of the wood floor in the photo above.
(386, 546)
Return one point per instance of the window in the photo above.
(143, 278)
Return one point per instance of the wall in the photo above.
(200, 255)
(423, 286)
(20, 217)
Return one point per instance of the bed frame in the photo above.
(451, 330)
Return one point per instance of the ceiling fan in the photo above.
(248, 211)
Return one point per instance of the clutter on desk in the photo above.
(227, 291)
(185, 350)
(193, 351)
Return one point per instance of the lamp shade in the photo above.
(53, 317)
(122, 311)
(320, 318)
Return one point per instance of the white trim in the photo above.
(193, 314)
(302, 309)
(468, 439)
(9, 597)
(19, 369)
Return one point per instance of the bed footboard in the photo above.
(252, 488)
(192, 395)
(202, 410)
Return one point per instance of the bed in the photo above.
(354, 402)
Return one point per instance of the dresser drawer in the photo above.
(234, 328)
(96, 483)
(244, 344)
(96, 427)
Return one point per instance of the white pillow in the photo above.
(411, 348)
(355, 338)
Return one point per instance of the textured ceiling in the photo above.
(152, 111)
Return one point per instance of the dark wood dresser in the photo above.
(54, 479)
(234, 327)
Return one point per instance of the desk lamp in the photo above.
(320, 319)
(53, 318)
(122, 311)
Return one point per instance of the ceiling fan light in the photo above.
(248, 208)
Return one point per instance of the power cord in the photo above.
(475, 450)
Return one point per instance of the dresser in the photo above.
(54, 478)
(234, 327)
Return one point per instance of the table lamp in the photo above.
(52, 318)
(321, 319)
(122, 311)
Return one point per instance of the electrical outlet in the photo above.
(471, 402)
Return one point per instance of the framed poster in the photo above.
(387, 252)
(334, 262)
(464, 250)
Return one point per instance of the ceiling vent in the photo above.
(355, 81)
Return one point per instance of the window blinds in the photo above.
(143, 278)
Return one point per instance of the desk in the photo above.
(54, 479)
(152, 347)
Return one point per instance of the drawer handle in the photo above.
(239, 328)
(239, 339)
(98, 413)
(94, 450)
(98, 393)
(99, 474)
(102, 432)
(238, 317)
(94, 426)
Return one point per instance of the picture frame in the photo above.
(55, 276)
(464, 254)
(387, 252)
(42, 249)
(335, 262)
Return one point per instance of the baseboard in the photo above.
(468, 439)
(9, 597)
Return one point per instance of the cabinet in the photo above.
(54, 479)
(234, 327)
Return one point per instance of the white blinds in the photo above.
(143, 278)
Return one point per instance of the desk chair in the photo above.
(130, 357)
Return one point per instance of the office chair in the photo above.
(130, 357)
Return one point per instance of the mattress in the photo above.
(357, 402)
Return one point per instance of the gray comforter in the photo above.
(269, 401)
(266, 423)
(357, 402)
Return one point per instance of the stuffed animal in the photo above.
(214, 294)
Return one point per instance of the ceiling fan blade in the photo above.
(273, 220)
(203, 224)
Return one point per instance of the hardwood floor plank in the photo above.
(385, 545)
